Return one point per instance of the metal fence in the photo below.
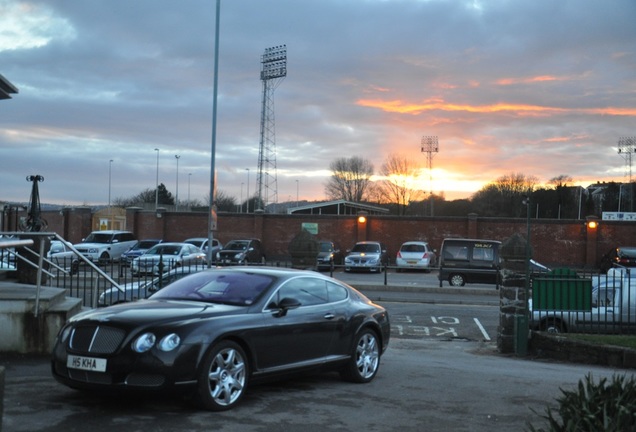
(579, 302)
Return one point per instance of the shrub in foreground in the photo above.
(608, 406)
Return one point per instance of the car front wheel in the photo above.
(456, 280)
(223, 378)
(365, 358)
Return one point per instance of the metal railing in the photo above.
(15, 249)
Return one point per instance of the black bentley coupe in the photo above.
(214, 332)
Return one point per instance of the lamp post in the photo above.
(212, 217)
(157, 183)
(241, 201)
(296, 192)
(189, 177)
(176, 199)
(248, 189)
(110, 216)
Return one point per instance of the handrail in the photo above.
(41, 258)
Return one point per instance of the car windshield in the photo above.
(98, 238)
(164, 250)
(627, 252)
(326, 247)
(366, 247)
(144, 244)
(218, 286)
(237, 245)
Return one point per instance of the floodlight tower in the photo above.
(626, 148)
(273, 71)
(430, 146)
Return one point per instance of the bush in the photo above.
(609, 407)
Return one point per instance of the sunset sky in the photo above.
(541, 87)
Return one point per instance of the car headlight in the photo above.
(170, 342)
(64, 334)
(239, 256)
(144, 342)
(92, 250)
(373, 261)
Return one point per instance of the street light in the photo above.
(241, 201)
(157, 183)
(110, 217)
(176, 199)
(248, 189)
(189, 177)
(296, 192)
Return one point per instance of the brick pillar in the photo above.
(592, 227)
(472, 226)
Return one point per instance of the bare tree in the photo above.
(350, 179)
(503, 197)
(397, 187)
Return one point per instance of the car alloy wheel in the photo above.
(456, 280)
(223, 378)
(365, 359)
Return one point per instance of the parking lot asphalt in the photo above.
(30, 401)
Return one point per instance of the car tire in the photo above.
(223, 377)
(552, 326)
(365, 358)
(456, 280)
(103, 259)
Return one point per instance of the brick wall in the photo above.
(554, 242)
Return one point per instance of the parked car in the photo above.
(142, 289)
(623, 256)
(202, 243)
(106, 246)
(612, 308)
(215, 332)
(137, 250)
(469, 261)
(166, 256)
(367, 255)
(328, 255)
(241, 252)
(417, 255)
(61, 255)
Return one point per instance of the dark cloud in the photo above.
(542, 87)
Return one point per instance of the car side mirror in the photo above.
(284, 305)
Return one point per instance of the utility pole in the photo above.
(430, 146)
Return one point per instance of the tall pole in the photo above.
(296, 192)
(241, 201)
(110, 213)
(248, 189)
(176, 199)
(212, 210)
(157, 183)
(430, 146)
(189, 177)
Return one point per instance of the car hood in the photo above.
(155, 311)
(363, 254)
(81, 246)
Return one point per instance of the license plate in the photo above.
(86, 363)
(411, 262)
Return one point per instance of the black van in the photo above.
(464, 261)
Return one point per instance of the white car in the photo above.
(166, 256)
(106, 246)
(416, 255)
(142, 289)
(61, 255)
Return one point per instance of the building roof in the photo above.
(6, 88)
(338, 207)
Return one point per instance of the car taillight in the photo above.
(399, 255)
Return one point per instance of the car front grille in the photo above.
(96, 339)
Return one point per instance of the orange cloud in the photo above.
(530, 80)
(398, 106)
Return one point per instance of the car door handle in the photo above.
(330, 316)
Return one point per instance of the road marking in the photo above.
(482, 329)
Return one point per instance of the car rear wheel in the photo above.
(456, 280)
(223, 378)
(552, 326)
(365, 358)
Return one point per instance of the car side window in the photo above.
(336, 292)
(308, 291)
